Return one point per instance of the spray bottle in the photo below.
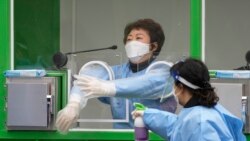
(141, 132)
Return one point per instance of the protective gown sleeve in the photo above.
(94, 69)
(78, 95)
(206, 130)
(209, 132)
(151, 85)
(201, 123)
(160, 122)
(200, 130)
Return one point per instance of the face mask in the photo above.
(176, 95)
(135, 50)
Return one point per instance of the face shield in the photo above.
(167, 100)
(98, 69)
(168, 90)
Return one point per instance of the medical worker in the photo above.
(202, 118)
(143, 41)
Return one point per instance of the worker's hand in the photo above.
(94, 87)
(137, 113)
(67, 116)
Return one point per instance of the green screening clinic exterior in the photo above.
(51, 46)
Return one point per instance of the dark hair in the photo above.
(196, 72)
(153, 28)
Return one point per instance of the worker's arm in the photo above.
(150, 85)
(160, 122)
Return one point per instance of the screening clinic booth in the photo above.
(33, 31)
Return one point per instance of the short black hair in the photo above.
(153, 28)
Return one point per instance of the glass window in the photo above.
(41, 28)
(227, 33)
(93, 24)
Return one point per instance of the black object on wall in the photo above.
(61, 59)
(247, 67)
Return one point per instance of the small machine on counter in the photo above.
(31, 100)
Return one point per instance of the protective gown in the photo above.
(146, 88)
(196, 123)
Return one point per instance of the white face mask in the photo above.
(135, 50)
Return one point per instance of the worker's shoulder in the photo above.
(210, 115)
(205, 113)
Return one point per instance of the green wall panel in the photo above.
(36, 32)
(195, 28)
(4, 55)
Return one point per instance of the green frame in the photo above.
(195, 51)
(195, 28)
(4, 55)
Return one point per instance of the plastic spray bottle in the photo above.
(141, 132)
